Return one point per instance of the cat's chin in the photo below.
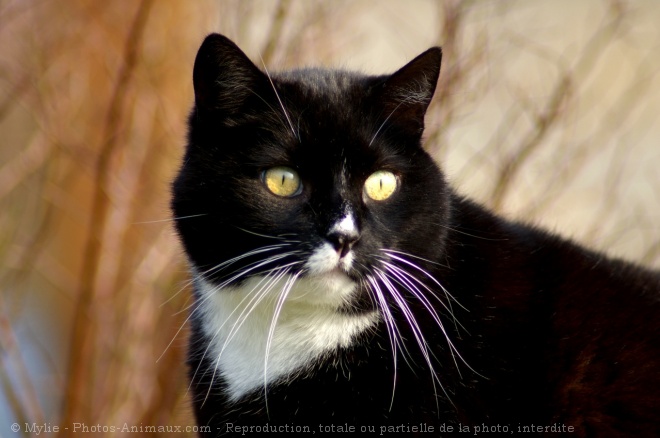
(333, 278)
(330, 288)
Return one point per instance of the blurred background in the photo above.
(545, 111)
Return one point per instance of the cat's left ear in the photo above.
(224, 78)
(407, 93)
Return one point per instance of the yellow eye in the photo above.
(282, 181)
(380, 185)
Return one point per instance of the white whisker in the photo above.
(392, 330)
(404, 100)
(385, 121)
(201, 300)
(271, 332)
(402, 278)
(198, 303)
(416, 331)
(242, 318)
(407, 278)
(201, 275)
(172, 219)
(271, 281)
(427, 274)
(281, 237)
(456, 230)
(254, 266)
(286, 114)
(410, 282)
(410, 255)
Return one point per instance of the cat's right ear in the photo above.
(223, 76)
(407, 93)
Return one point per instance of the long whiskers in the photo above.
(386, 120)
(406, 277)
(238, 274)
(198, 304)
(398, 276)
(172, 219)
(255, 296)
(396, 340)
(220, 266)
(271, 332)
(286, 113)
(414, 326)
(403, 278)
(282, 237)
(393, 255)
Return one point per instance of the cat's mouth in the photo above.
(326, 261)
(335, 273)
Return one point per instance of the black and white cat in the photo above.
(340, 282)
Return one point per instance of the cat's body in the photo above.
(339, 281)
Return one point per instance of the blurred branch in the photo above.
(24, 403)
(13, 96)
(83, 331)
(531, 142)
(608, 130)
(453, 14)
(24, 164)
(549, 116)
(32, 248)
(460, 67)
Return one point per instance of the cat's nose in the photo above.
(343, 242)
(343, 234)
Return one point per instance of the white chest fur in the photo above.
(250, 350)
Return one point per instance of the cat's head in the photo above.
(314, 173)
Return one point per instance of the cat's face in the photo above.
(312, 173)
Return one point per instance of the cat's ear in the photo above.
(407, 93)
(223, 76)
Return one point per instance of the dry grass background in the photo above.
(546, 111)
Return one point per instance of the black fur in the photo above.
(551, 333)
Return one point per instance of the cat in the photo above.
(340, 283)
